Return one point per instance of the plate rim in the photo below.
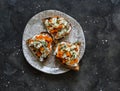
(53, 73)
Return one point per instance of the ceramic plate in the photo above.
(35, 26)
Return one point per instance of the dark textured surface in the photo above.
(100, 66)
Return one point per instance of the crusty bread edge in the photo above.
(32, 50)
(75, 68)
(55, 39)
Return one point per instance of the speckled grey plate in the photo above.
(35, 26)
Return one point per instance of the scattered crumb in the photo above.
(58, 89)
(8, 82)
(23, 71)
(86, 22)
(98, 1)
(43, 86)
(106, 40)
(103, 41)
(96, 73)
(6, 85)
(17, 53)
(38, 6)
(94, 22)
(64, 89)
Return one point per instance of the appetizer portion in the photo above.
(68, 54)
(57, 26)
(40, 45)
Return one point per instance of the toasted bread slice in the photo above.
(68, 54)
(57, 26)
(40, 45)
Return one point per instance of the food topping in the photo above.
(68, 52)
(57, 26)
(42, 43)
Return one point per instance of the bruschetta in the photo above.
(57, 26)
(40, 45)
(68, 54)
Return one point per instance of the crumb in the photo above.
(23, 71)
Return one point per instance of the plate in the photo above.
(35, 26)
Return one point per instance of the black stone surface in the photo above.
(100, 66)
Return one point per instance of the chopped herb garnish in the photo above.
(44, 43)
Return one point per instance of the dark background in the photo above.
(100, 66)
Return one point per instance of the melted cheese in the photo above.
(41, 43)
(46, 23)
(54, 20)
(58, 23)
(69, 48)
